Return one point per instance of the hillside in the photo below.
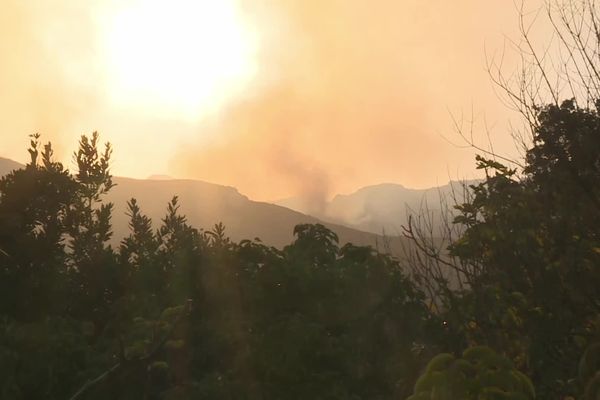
(7, 165)
(206, 204)
(385, 207)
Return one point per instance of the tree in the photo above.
(526, 255)
(180, 252)
(34, 205)
(92, 263)
(480, 374)
(589, 371)
(529, 254)
(138, 256)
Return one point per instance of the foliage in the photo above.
(589, 372)
(176, 312)
(480, 374)
(530, 247)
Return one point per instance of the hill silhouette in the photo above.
(385, 207)
(205, 204)
(7, 165)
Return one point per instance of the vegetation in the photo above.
(509, 310)
(479, 374)
(177, 312)
(528, 258)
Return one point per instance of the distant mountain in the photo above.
(206, 204)
(386, 207)
(7, 165)
(160, 178)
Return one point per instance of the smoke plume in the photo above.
(45, 71)
(348, 92)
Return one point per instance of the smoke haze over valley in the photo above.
(372, 216)
(299, 199)
(318, 99)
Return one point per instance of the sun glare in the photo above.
(179, 58)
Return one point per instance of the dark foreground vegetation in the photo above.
(179, 313)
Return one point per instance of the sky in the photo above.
(276, 97)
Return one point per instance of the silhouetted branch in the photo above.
(143, 361)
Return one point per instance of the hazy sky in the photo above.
(275, 97)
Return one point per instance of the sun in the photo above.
(178, 58)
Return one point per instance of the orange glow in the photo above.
(274, 97)
(177, 57)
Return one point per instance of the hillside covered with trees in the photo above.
(177, 312)
(205, 204)
(506, 305)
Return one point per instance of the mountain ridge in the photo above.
(205, 204)
(7, 165)
(386, 207)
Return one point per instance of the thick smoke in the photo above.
(350, 92)
(347, 93)
(45, 71)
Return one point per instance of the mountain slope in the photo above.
(386, 207)
(7, 165)
(206, 204)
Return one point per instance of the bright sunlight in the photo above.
(177, 58)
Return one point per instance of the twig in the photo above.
(124, 362)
